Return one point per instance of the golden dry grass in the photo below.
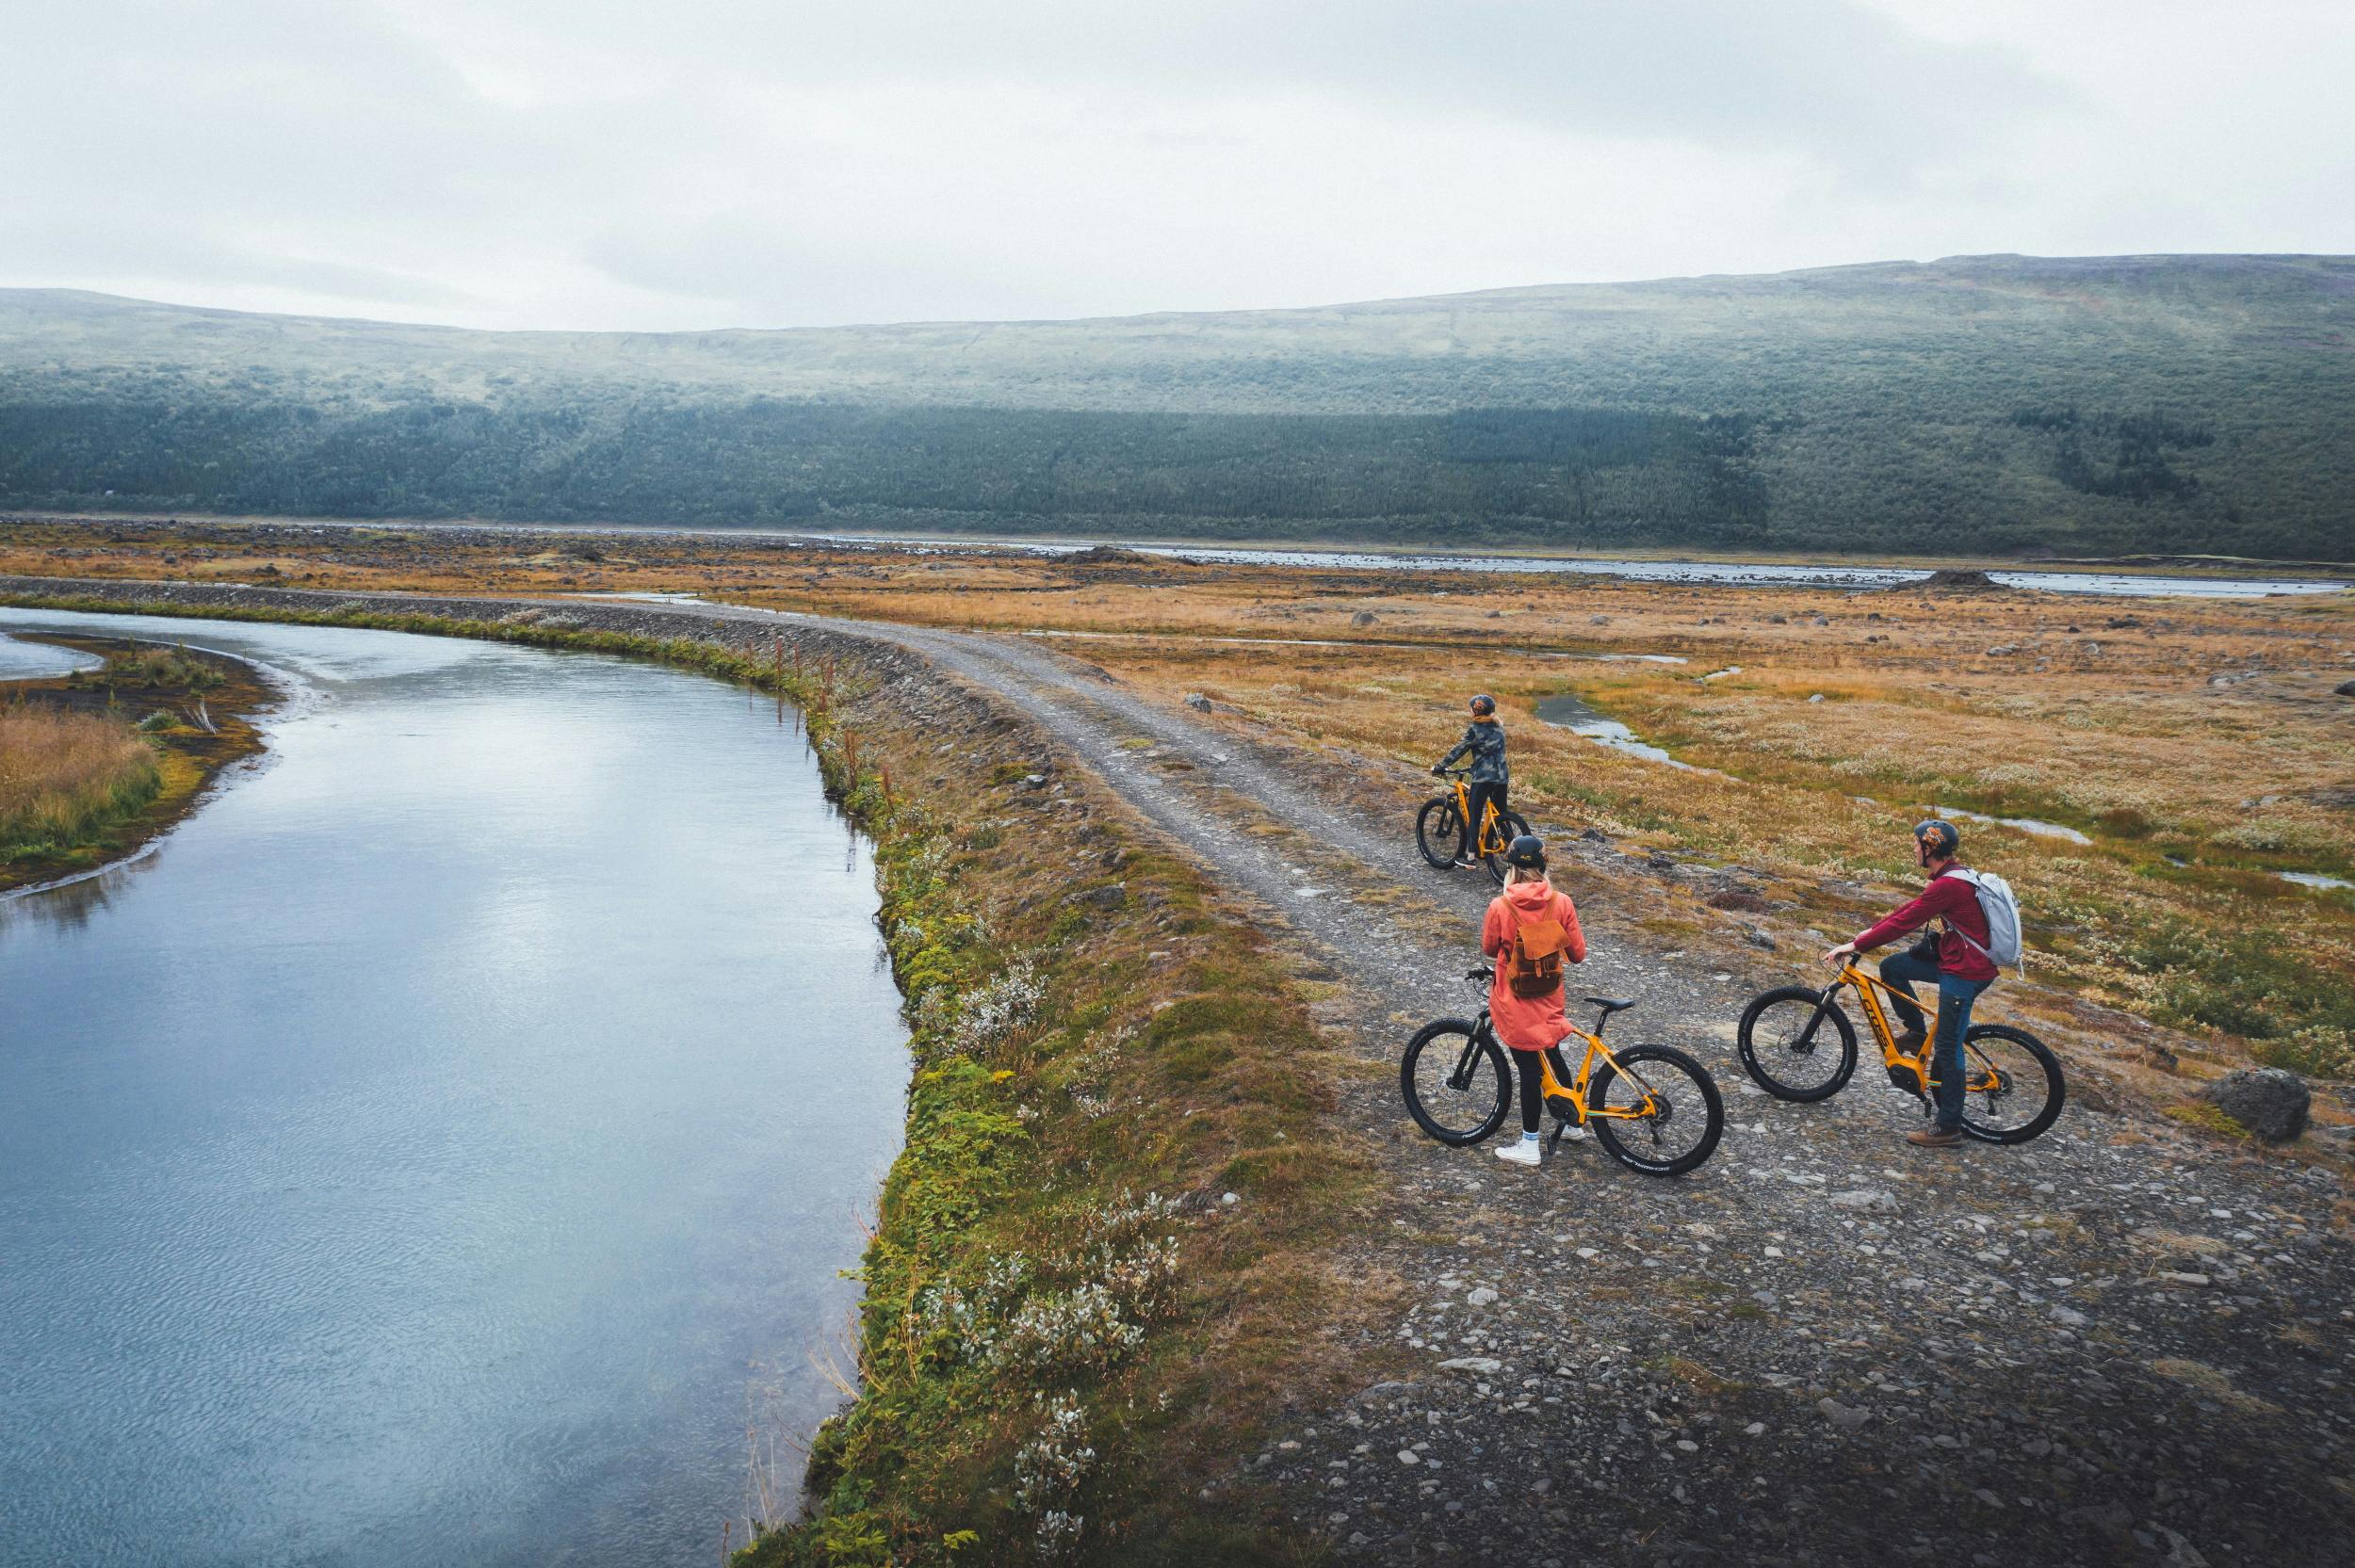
(67, 777)
(2198, 742)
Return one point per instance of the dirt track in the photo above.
(2117, 1344)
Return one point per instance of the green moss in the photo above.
(2207, 1118)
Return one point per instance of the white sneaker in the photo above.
(1521, 1151)
(1573, 1135)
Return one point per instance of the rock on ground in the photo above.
(2268, 1101)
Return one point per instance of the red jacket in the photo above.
(1955, 901)
(1527, 1023)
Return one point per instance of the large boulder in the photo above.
(2268, 1101)
(1109, 554)
(1952, 580)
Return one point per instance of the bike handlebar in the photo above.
(1478, 974)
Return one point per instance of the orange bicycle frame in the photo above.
(1554, 1089)
(1892, 1057)
(1463, 811)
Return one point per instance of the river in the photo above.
(2153, 585)
(444, 1147)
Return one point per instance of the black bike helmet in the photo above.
(1940, 839)
(1527, 851)
(1484, 703)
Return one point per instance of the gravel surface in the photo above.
(2118, 1344)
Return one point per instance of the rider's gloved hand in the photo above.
(1437, 769)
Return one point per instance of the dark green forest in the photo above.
(1557, 475)
(1979, 406)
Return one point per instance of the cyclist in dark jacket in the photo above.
(1484, 740)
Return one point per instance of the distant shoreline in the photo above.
(2127, 565)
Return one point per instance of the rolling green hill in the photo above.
(1991, 405)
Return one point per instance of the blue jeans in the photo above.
(1955, 997)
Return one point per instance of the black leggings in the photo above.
(1534, 1083)
(1477, 798)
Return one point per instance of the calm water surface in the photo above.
(21, 661)
(440, 1149)
(1827, 574)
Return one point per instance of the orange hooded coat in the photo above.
(1527, 1023)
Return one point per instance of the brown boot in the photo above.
(1909, 1041)
(1930, 1138)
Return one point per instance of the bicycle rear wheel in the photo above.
(1688, 1119)
(1440, 831)
(1793, 1054)
(1455, 1082)
(2013, 1089)
(1510, 826)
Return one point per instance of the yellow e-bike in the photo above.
(1798, 1043)
(1656, 1109)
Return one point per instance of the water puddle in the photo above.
(2316, 879)
(1721, 674)
(2025, 824)
(1566, 712)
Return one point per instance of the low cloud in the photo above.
(597, 164)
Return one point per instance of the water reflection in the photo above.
(69, 903)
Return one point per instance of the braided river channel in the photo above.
(443, 1148)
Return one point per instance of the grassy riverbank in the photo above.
(66, 779)
(1101, 1263)
(1096, 1265)
(95, 763)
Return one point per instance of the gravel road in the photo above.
(2118, 1344)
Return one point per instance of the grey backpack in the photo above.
(2001, 910)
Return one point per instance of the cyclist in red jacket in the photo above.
(1955, 960)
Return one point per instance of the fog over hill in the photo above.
(1984, 404)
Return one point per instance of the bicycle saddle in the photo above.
(1608, 1005)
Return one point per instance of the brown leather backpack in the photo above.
(1533, 966)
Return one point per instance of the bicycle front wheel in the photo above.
(1455, 1082)
(1682, 1119)
(1440, 831)
(1792, 1053)
(2012, 1087)
(1509, 827)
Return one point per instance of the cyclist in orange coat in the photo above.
(1528, 1026)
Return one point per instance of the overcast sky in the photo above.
(701, 163)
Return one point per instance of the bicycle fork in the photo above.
(1806, 1041)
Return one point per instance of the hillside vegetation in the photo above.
(1981, 405)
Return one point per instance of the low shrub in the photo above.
(66, 778)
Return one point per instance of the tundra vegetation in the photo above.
(2022, 404)
(2199, 745)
